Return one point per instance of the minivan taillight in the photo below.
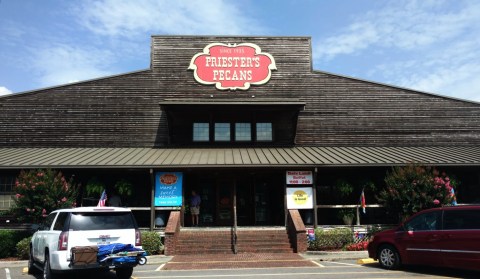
(138, 238)
(63, 241)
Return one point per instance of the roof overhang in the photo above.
(292, 157)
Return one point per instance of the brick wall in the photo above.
(296, 231)
(171, 233)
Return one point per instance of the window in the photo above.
(6, 191)
(201, 132)
(83, 221)
(429, 221)
(461, 219)
(60, 222)
(264, 132)
(48, 222)
(243, 132)
(222, 131)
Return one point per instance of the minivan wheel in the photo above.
(47, 272)
(388, 257)
(124, 272)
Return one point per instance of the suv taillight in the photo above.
(63, 241)
(138, 238)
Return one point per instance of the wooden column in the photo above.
(152, 199)
(315, 216)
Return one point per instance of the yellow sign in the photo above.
(300, 197)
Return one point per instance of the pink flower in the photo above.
(435, 201)
(44, 213)
(64, 199)
(18, 196)
(40, 174)
(27, 209)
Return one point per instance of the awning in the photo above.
(23, 158)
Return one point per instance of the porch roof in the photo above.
(24, 158)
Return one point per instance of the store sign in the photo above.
(232, 66)
(168, 188)
(299, 198)
(299, 177)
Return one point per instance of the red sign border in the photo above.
(218, 84)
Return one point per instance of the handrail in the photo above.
(234, 233)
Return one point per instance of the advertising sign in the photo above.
(299, 198)
(168, 188)
(299, 177)
(232, 66)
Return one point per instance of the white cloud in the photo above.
(63, 63)
(134, 18)
(402, 26)
(4, 91)
(432, 46)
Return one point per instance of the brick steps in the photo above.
(204, 241)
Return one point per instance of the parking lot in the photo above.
(322, 269)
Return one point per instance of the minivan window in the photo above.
(101, 221)
(461, 219)
(429, 221)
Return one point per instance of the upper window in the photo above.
(243, 132)
(201, 132)
(222, 131)
(264, 132)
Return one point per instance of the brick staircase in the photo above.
(219, 241)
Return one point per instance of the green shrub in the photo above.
(23, 248)
(152, 243)
(331, 239)
(8, 241)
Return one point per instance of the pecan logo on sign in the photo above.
(232, 66)
(168, 179)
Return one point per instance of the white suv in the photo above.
(50, 248)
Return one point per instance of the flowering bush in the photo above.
(39, 192)
(413, 188)
(360, 246)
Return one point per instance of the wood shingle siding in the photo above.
(124, 110)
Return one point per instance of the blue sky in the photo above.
(432, 46)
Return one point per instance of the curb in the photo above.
(366, 261)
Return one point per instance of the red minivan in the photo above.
(447, 236)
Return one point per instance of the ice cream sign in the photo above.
(232, 66)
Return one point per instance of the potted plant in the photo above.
(94, 187)
(347, 215)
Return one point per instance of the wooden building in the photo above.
(231, 116)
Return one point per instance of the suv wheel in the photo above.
(124, 272)
(388, 257)
(47, 272)
(31, 267)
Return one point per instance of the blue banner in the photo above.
(168, 188)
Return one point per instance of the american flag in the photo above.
(103, 199)
(362, 200)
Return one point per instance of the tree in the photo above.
(413, 188)
(39, 192)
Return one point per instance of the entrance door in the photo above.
(225, 202)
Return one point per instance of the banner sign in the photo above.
(168, 188)
(299, 177)
(232, 66)
(299, 198)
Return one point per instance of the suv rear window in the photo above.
(81, 221)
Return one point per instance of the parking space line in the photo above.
(342, 263)
(160, 267)
(7, 272)
(317, 263)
